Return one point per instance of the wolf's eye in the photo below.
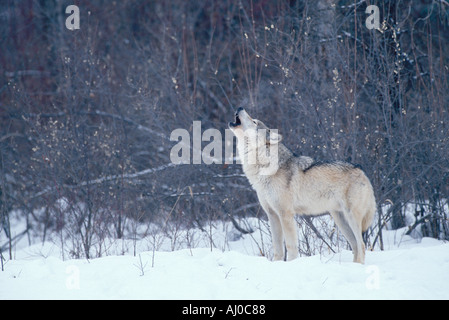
(254, 121)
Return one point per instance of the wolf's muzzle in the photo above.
(237, 121)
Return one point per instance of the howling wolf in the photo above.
(287, 185)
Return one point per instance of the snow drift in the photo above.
(407, 269)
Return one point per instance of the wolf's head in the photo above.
(256, 143)
(244, 125)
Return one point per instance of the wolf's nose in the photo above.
(238, 110)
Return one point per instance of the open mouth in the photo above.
(237, 121)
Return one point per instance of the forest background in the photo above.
(86, 115)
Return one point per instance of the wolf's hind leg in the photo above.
(356, 227)
(347, 231)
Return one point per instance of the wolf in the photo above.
(299, 185)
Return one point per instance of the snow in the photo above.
(407, 269)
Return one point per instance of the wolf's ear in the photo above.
(274, 137)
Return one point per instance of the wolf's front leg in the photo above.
(276, 236)
(291, 239)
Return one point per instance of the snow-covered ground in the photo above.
(407, 269)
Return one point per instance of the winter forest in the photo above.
(87, 114)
